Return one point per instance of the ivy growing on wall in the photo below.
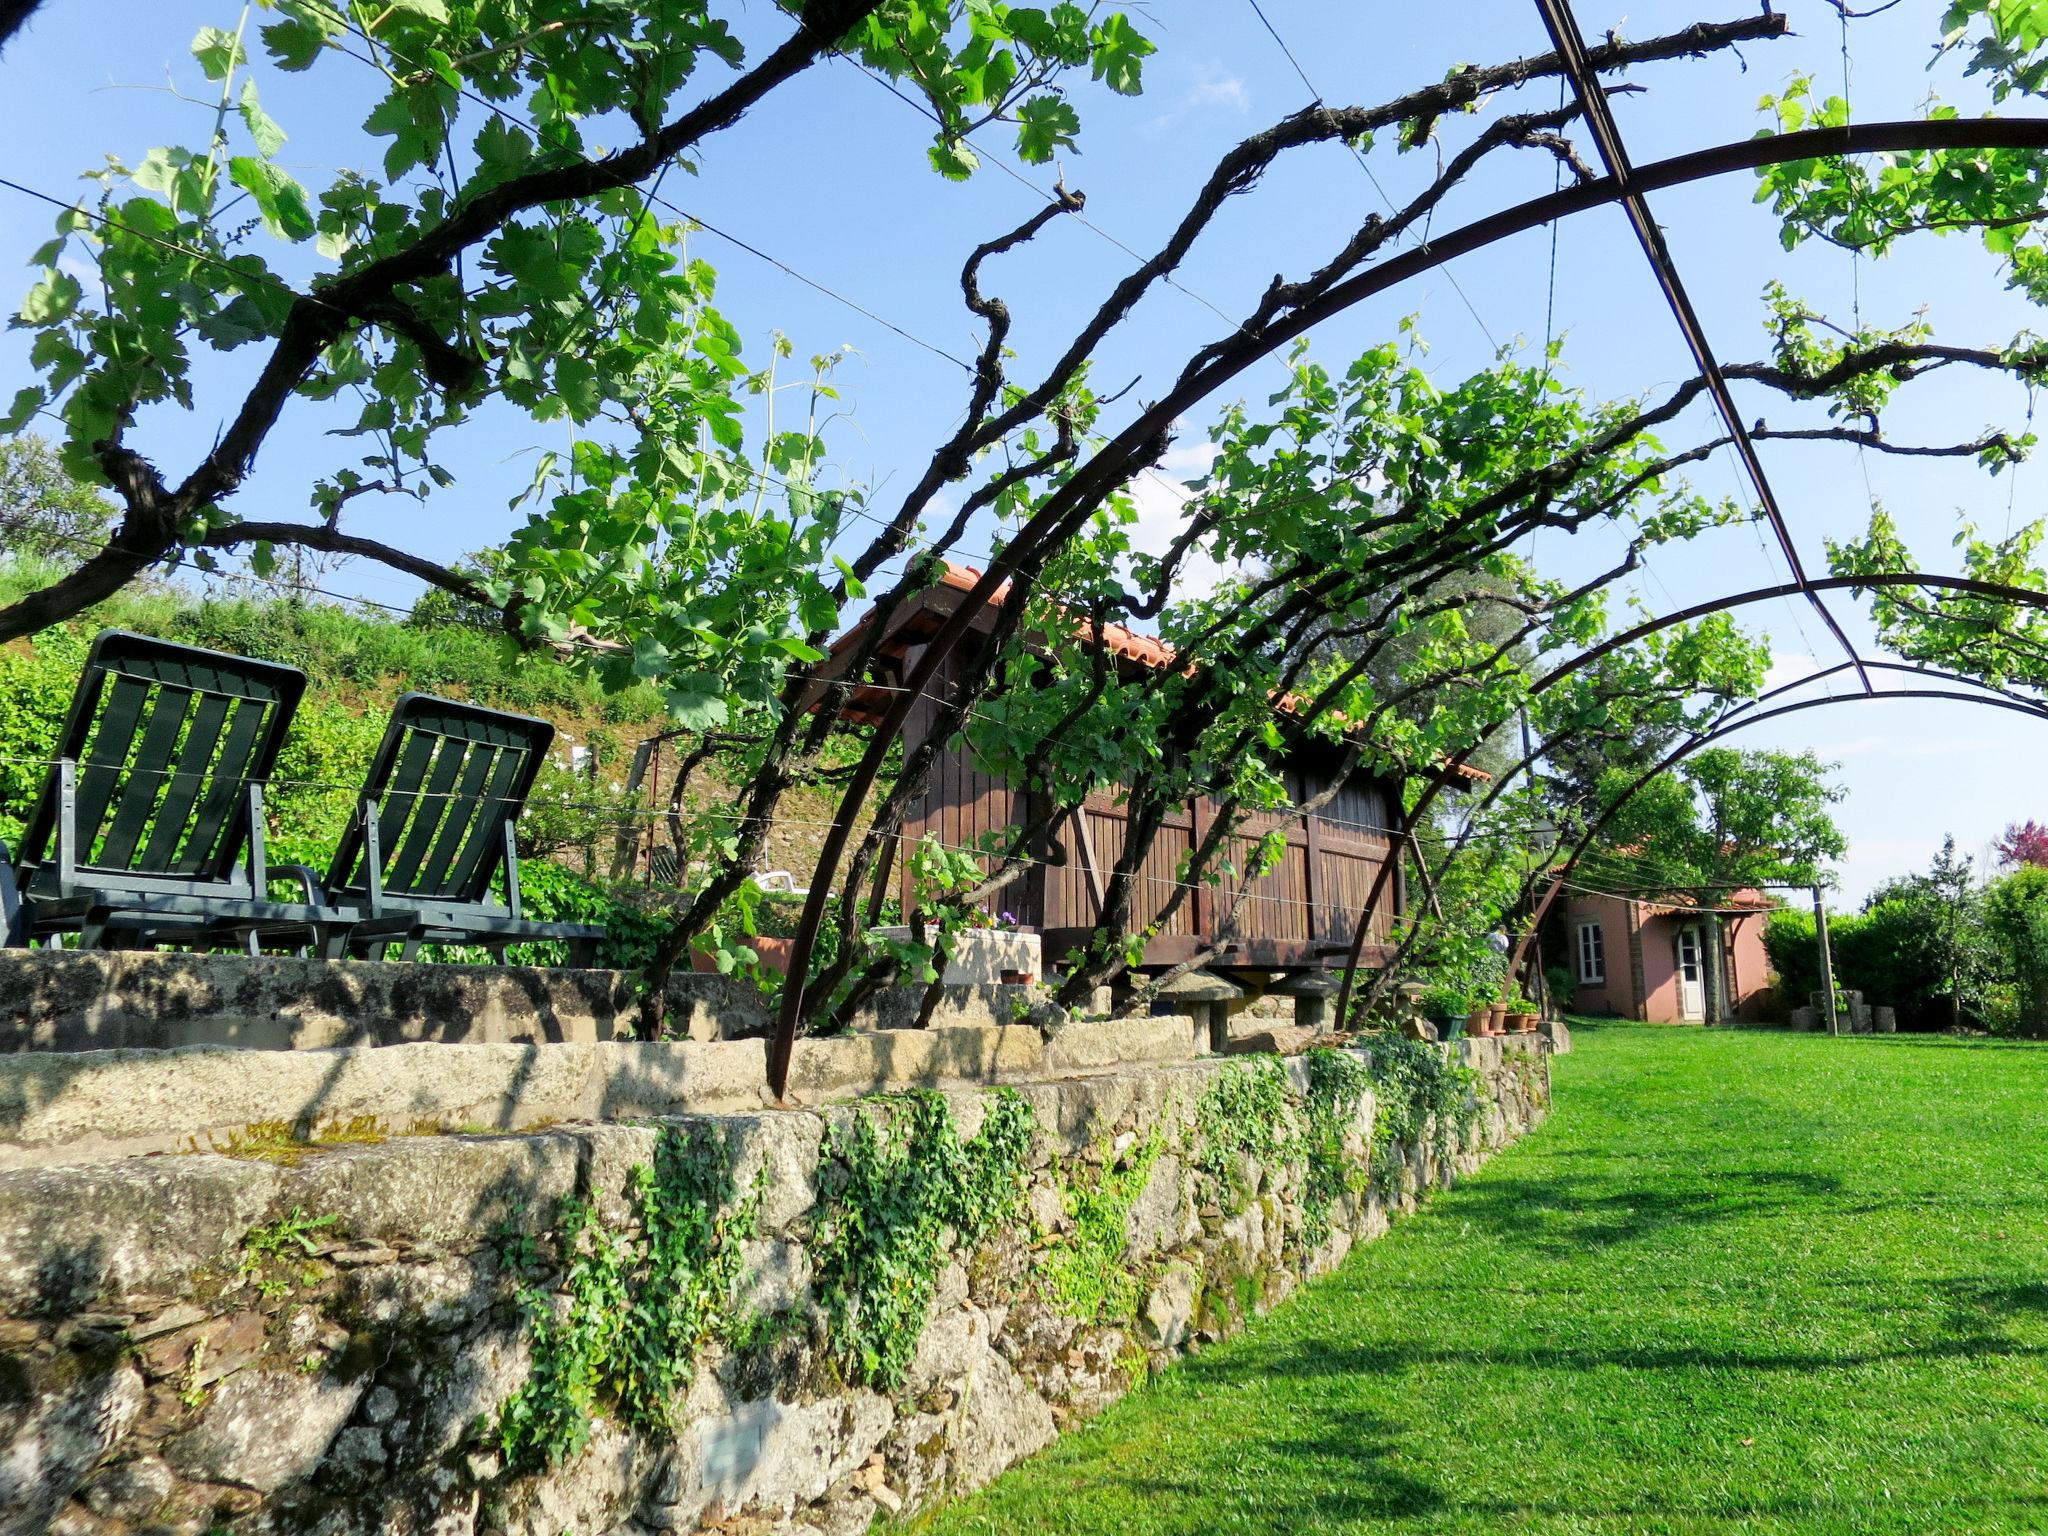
(1419, 1089)
(1337, 1081)
(1084, 1271)
(880, 1238)
(1243, 1113)
(633, 1306)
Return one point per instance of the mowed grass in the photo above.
(1740, 1281)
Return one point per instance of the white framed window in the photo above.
(1592, 952)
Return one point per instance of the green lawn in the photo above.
(1748, 1282)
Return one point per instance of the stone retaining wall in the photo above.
(66, 1000)
(74, 1106)
(349, 1340)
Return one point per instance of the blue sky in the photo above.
(831, 180)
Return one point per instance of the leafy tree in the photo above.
(1972, 625)
(512, 250)
(1871, 204)
(499, 260)
(2023, 842)
(438, 606)
(1725, 821)
(45, 514)
(14, 15)
(1924, 949)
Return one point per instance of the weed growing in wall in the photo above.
(880, 1239)
(633, 1307)
(1243, 1113)
(1337, 1081)
(275, 1255)
(287, 1143)
(1084, 1272)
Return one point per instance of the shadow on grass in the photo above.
(1562, 1217)
(1973, 1301)
(1347, 1455)
(1341, 1472)
(1324, 1358)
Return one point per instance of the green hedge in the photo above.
(1883, 953)
(340, 647)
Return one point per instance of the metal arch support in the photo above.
(2024, 597)
(1563, 27)
(1721, 732)
(1010, 562)
(2021, 596)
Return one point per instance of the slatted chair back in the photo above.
(167, 742)
(443, 790)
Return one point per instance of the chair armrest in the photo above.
(13, 930)
(309, 882)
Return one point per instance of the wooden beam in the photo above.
(1312, 872)
(1091, 870)
(1398, 845)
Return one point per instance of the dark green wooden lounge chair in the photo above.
(435, 826)
(150, 827)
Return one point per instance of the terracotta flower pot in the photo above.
(1476, 1022)
(1498, 1022)
(773, 953)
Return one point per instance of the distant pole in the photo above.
(1827, 962)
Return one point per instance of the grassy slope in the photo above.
(359, 663)
(1740, 1282)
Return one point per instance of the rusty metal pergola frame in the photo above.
(1625, 184)
(1563, 27)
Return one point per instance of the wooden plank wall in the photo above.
(962, 802)
(1072, 892)
(1312, 897)
(1352, 853)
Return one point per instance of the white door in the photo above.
(1692, 975)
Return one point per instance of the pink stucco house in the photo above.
(1646, 958)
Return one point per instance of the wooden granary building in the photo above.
(1300, 916)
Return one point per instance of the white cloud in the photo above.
(1788, 667)
(1221, 91)
(1214, 88)
(1161, 502)
(1188, 461)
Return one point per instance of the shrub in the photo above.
(1890, 955)
(1790, 941)
(2016, 913)
(1445, 1003)
(632, 922)
(1563, 985)
(347, 648)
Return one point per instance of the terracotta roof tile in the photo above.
(1146, 650)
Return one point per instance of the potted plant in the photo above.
(1497, 1022)
(1521, 1015)
(1446, 1007)
(1479, 1020)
